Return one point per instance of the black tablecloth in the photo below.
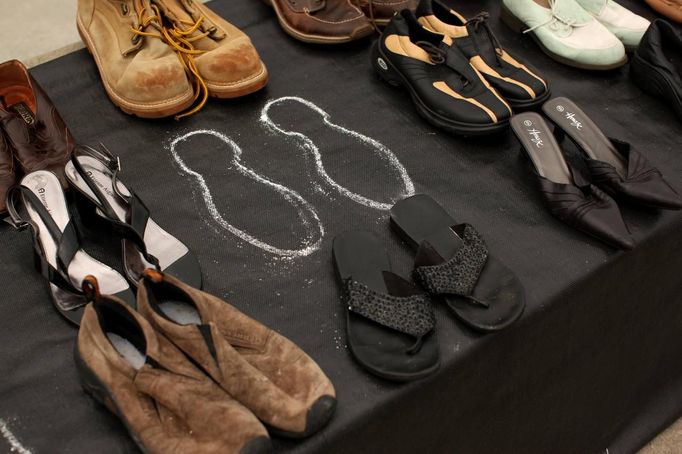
(593, 364)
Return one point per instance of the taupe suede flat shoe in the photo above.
(166, 404)
(263, 370)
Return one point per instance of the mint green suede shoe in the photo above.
(626, 25)
(566, 32)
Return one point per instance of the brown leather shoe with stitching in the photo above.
(322, 21)
(34, 131)
(167, 404)
(380, 12)
(263, 370)
(7, 176)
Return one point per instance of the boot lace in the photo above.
(556, 22)
(438, 56)
(179, 37)
(481, 21)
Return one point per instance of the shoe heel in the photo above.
(383, 67)
(512, 21)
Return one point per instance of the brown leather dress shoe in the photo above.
(167, 404)
(7, 175)
(322, 21)
(380, 12)
(263, 370)
(226, 60)
(34, 131)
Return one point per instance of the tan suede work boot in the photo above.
(167, 404)
(227, 63)
(141, 73)
(263, 370)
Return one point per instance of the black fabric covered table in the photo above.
(594, 363)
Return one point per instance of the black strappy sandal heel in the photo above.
(453, 262)
(94, 176)
(614, 165)
(58, 254)
(390, 323)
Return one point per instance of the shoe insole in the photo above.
(359, 255)
(160, 243)
(180, 312)
(579, 127)
(383, 351)
(127, 350)
(47, 188)
(17, 94)
(541, 147)
(421, 219)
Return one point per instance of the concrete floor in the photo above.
(36, 31)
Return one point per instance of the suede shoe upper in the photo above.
(34, 131)
(224, 56)
(167, 404)
(141, 73)
(265, 371)
(514, 80)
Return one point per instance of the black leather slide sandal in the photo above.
(453, 261)
(569, 196)
(614, 165)
(390, 323)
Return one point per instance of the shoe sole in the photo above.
(316, 39)
(393, 77)
(242, 88)
(143, 111)
(654, 83)
(518, 26)
(529, 104)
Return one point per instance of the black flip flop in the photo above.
(390, 323)
(452, 261)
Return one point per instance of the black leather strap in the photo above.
(67, 241)
(137, 215)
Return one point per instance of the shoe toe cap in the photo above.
(231, 63)
(157, 81)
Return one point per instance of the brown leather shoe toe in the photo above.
(34, 131)
(166, 403)
(263, 370)
(322, 21)
(380, 12)
(226, 60)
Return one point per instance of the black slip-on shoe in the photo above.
(446, 90)
(518, 83)
(656, 67)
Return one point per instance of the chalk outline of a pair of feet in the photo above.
(306, 211)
